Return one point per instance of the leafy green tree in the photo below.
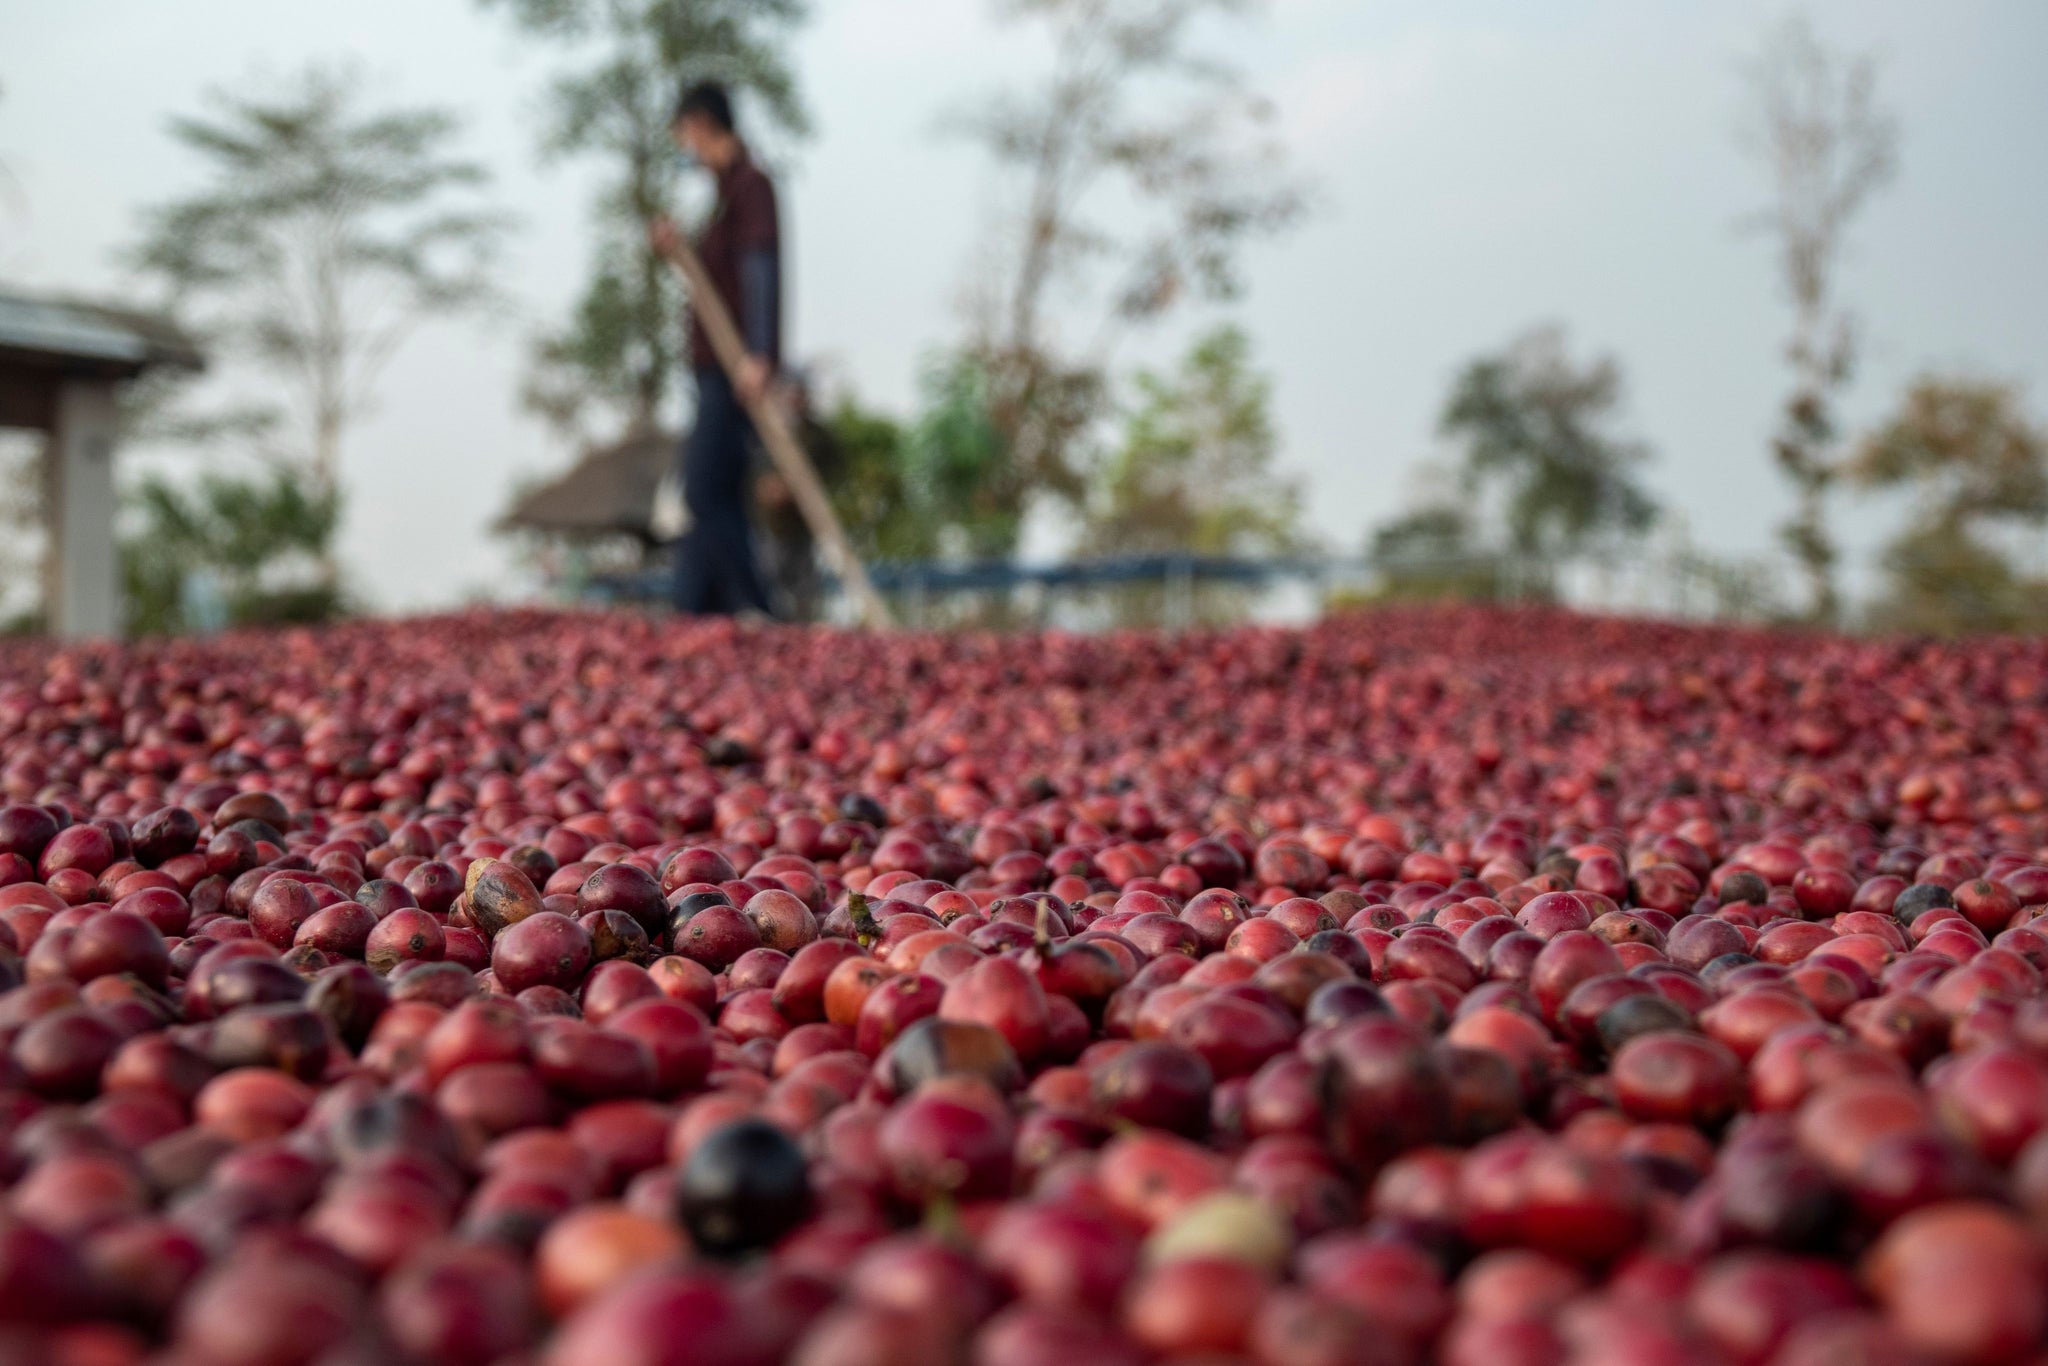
(324, 233)
(871, 494)
(1944, 582)
(1434, 552)
(1967, 447)
(1194, 470)
(617, 359)
(259, 540)
(1976, 465)
(1131, 119)
(1437, 531)
(929, 486)
(1536, 426)
(959, 478)
(1828, 145)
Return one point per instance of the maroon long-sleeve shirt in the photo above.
(741, 247)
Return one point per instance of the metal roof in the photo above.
(68, 334)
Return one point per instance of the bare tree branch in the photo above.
(1826, 145)
(1133, 114)
(323, 234)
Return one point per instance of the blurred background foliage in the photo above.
(226, 551)
(324, 223)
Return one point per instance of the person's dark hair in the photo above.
(706, 100)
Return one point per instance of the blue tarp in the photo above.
(935, 576)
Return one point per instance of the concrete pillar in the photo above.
(85, 573)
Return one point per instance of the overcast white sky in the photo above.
(1480, 167)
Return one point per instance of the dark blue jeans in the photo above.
(716, 571)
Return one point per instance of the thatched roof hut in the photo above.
(609, 492)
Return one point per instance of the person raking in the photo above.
(716, 570)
